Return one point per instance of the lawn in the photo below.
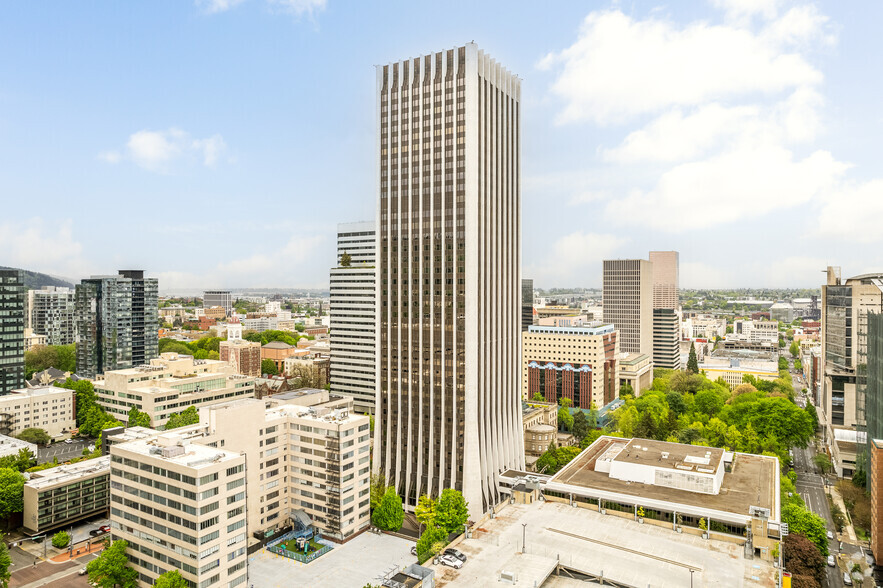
(292, 546)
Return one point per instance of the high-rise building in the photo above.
(117, 322)
(666, 344)
(844, 334)
(665, 279)
(222, 298)
(449, 260)
(526, 303)
(51, 313)
(628, 303)
(874, 393)
(353, 315)
(12, 330)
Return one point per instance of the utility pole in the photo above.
(523, 536)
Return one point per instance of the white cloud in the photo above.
(575, 256)
(620, 68)
(739, 10)
(750, 181)
(158, 150)
(213, 6)
(44, 246)
(299, 7)
(853, 213)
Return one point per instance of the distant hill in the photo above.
(36, 280)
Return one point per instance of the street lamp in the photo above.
(691, 577)
(523, 535)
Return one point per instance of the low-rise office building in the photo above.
(244, 356)
(170, 384)
(46, 407)
(706, 327)
(316, 369)
(33, 339)
(278, 352)
(733, 365)
(635, 370)
(10, 446)
(63, 495)
(577, 362)
(180, 506)
(746, 330)
(269, 324)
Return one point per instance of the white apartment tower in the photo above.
(449, 283)
(628, 303)
(353, 315)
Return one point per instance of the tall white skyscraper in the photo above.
(353, 315)
(449, 282)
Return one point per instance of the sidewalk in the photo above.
(78, 552)
(848, 529)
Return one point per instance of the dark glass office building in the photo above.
(117, 322)
(12, 330)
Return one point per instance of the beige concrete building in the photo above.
(636, 370)
(180, 506)
(628, 303)
(576, 362)
(665, 279)
(45, 407)
(33, 339)
(60, 496)
(733, 365)
(540, 423)
(707, 327)
(171, 383)
(316, 369)
(755, 331)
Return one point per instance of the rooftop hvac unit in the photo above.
(508, 577)
(173, 451)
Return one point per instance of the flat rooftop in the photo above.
(65, 474)
(662, 454)
(37, 391)
(752, 481)
(583, 540)
(194, 455)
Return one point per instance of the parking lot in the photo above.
(363, 560)
(63, 451)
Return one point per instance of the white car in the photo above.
(68, 440)
(830, 535)
(451, 561)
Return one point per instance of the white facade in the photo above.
(703, 327)
(353, 316)
(449, 283)
(11, 446)
(745, 330)
(47, 407)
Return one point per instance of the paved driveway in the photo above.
(63, 451)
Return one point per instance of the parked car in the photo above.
(96, 532)
(451, 561)
(454, 553)
(105, 528)
(847, 581)
(82, 572)
(831, 561)
(68, 440)
(830, 535)
(414, 550)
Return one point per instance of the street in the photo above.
(63, 451)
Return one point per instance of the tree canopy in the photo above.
(692, 361)
(189, 416)
(35, 435)
(803, 559)
(268, 367)
(20, 462)
(91, 418)
(11, 487)
(425, 510)
(171, 579)
(806, 523)
(111, 568)
(138, 418)
(389, 514)
(5, 563)
(451, 511)
(41, 357)
(428, 543)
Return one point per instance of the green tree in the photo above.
(22, 461)
(61, 539)
(378, 489)
(823, 462)
(783, 363)
(171, 579)
(794, 348)
(138, 418)
(580, 425)
(425, 511)
(189, 416)
(548, 462)
(41, 357)
(111, 568)
(626, 390)
(451, 510)
(35, 435)
(565, 402)
(5, 562)
(426, 545)
(11, 489)
(692, 361)
(538, 397)
(565, 419)
(345, 260)
(806, 523)
(268, 367)
(389, 514)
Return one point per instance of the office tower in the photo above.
(526, 303)
(353, 315)
(666, 344)
(628, 303)
(222, 298)
(665, 279)
(874, 393)
(449, 291)
(12, 330)
(117, 322)
(576, 361)
(51, 313)
(845, 308)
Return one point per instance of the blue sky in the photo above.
(218, 143)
